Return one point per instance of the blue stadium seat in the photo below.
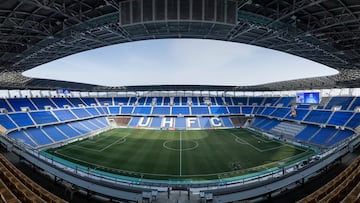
(194, 101)
(93, 111)
(271, 100)
(62, 102)
(340, 136)
(246, 109)
(79, 127)
(285, 101)
(64, 115)
(308, 132)
(142, 110)
(300, 114)
(180, 110)
(161, 110)
(217, 110)
(323, 135)
(38, 136)
(42, 102)
(132, 100)
(166, 101)
(354, 121)
(281, 112)
(89, 125)
(318, 116)
(17, 103)
(203, 110)
(340, 118)
(149, 101)
(344, 102)
(134, 121)
(90, 101)
(20, 136)
(81, 113)
(256, 100)
(6, 122)
(67, 130)
(76, 102)
(159, 101)
(268, 111)
(229, 101)
(121, 100)
(356, 103)
(126, 109)
(114, 110)
(227, 122)
(219, 100)
(5, 105)
(105, 100)
(205, 123)
(234, 109)
(21, 119)
(99, 122)
(176, 101)
(141, 100)
(180, 123)
(42, 117)
(54, 133)
(156, 122)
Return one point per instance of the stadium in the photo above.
(288, 141)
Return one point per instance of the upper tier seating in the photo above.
(105, 101)
(6, 122)
(62, 102)
(180, 111)
(21, 119)
(200, 110)
(344, 102)
(41, 103)
(319, 116)
(340, 118)
(5, 105)
(17, 103)
(42, 117)
(355, 104)
(121, 100)
(161, 110)
(76, 102)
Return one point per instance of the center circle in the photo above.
(174, 145)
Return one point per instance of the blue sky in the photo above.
(179, 62)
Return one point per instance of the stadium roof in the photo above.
(39, 31)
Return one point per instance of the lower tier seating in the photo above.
(38, 137)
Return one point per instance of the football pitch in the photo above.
(188, 155)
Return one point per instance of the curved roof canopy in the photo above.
(36, 32)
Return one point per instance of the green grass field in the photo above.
(196, 155)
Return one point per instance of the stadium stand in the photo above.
(180, 111)
(318, 116)
(41, 103)
(161, 110)
(343, 102)
(21, 119)
(64, 115)
(23, 189)
(6, 122)
(5, 105)
(18, 103)
(62, 102)
(341, 189)
(42, 117)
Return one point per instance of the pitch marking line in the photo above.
(180, 152)
(118, 141)
(241, 141)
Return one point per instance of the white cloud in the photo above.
(181, 61)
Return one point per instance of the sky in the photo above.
(179, 62)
